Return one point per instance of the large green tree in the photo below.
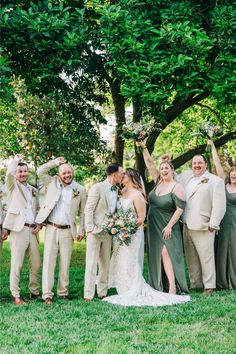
(59, 106)
(162, 57)
(171, 55)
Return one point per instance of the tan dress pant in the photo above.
(20, 243)
(98, 254)
(1, 241)
(56, 242)
(199, 251)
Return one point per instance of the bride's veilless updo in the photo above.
(135, 178)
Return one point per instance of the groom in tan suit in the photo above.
(102, 199)
(64, 198)
(205, 208)
(20, 223)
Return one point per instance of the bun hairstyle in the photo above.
(136, 179)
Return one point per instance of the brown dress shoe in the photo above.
(48, 301)
(87, 299)
(65, 297)
(18, 301)
(208, 291)
(34, 296)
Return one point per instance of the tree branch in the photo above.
(174, 111)
(182, 159)
(214, 112)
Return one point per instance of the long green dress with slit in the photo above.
(161, 209)
(226, 246)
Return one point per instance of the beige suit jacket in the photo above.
(96, 207)
(53, 192)
(206, 205)
(1, 205)
(17, 200)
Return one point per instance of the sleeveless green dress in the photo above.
(226, 246)
(161, 209)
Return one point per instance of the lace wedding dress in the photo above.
(126, 274)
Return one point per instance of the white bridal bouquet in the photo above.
(122, 225)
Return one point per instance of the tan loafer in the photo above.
(18, 301)
(34, 296)
(65, 297)
(208, 291)
(48, 301)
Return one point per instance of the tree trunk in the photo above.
(119, 105)
(139, 162)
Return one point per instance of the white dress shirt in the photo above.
(60, 214)
(1, 216)
(112, 198)
(192, 184)
(189, 189)
(29, 211)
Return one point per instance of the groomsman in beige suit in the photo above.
(205, 208)
(3, 232)
(20, 223)
(102, 199)
(64, 198)
(2, 237)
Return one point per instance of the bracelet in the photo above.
(144, 148)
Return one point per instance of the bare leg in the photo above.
(169, 270)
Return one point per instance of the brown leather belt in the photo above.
(58, 226)
(30, 225)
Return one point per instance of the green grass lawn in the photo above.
(207, 324)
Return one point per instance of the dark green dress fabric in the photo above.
(161, 209)
(226, 246)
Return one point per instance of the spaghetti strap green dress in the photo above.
(226, 246)
(161, 209)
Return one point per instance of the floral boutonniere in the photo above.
(204, 180)
(76, 192)
(34, 193)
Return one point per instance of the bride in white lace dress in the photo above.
(127, 261)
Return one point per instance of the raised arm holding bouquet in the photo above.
(165, 246)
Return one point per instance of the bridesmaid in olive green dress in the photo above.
(226, 239)
(165, 247)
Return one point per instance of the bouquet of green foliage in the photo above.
(139, 131)
(208, 131)
(122, 225)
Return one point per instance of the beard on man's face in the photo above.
(66, 180)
